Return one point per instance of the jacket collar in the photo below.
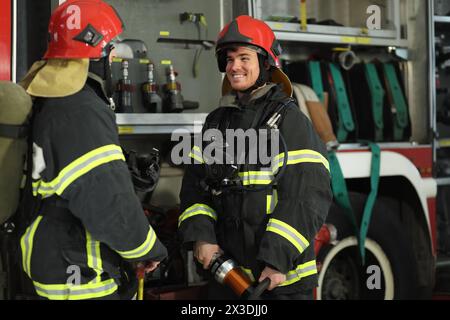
(231, 100)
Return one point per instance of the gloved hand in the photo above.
(204, 251)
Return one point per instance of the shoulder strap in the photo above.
(13, 131)
(277, 115)
(215, 119)
(28, 205)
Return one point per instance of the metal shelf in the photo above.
(441, 19)
(383, 145)
(337, 35)
(443, 181)
(157, 123)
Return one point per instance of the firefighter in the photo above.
(88, 229)
(265, 217)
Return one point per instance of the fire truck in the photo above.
(386, 231)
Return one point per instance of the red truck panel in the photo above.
(5, 40)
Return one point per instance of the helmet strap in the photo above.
(102, 68)
(264, 71)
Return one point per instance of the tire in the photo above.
(390, 270)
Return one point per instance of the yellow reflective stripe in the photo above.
(255, 173)
(94, 259)
(302, 271)
(197, 209)
(266, 176)
(195, 157)
(197, 212)
(249, 273)
(39, 189)
(293, 236)
(143, 249)
(303, 152)
(256, 177)
(268, 204)
(271, 201)
(254, 181)
(299, 156)
(76, 292)
(196, 154)
(26, 244)
(77, 168)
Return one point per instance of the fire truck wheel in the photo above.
(390, 269)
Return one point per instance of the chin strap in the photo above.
(102, 86)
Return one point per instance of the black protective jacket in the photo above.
(90, 221)
(274, 226)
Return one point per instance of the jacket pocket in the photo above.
(78, 271)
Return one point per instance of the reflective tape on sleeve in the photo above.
(195, 210)
(78, 168)
(298, 157)
(289, 233)
(143, 249)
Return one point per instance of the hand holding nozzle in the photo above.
(226, 271)
(275, 277)
(206, 253)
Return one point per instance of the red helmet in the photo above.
(82, 29)
(248, 31)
